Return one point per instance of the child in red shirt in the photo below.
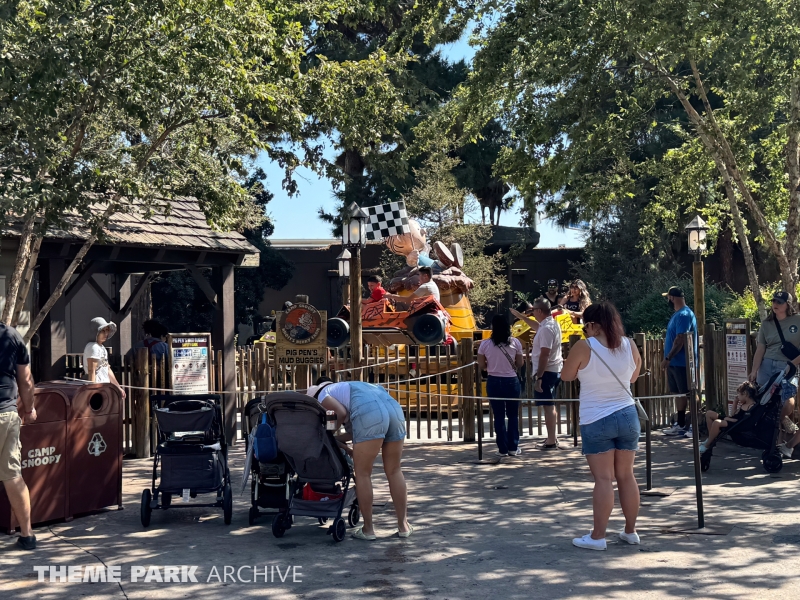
(377, 293)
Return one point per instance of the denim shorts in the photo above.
(375, 415)
(770, 367)
(550, 381)
(618, 431)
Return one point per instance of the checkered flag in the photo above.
(386, 220)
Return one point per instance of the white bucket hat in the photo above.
(100, 323)
(314, 390)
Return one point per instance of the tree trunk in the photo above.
(59, 291)
(793, 171)
(725, 251)
(26, 280)
(23, 252)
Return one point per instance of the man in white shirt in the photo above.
(546, 361)
(426, 288)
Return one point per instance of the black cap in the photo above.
(674, 291)
(782, 297)
(552, 283)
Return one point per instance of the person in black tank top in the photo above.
(577, 300)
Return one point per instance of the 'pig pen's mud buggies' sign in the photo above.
(302, 334)
(190, 362)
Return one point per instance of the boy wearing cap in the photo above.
(683, 321)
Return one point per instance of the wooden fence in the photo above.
(442, 391)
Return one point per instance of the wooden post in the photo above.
(356, 339)
(468, 377)
(222, 337)
(699, 294)
(709, 350)
(141, 403)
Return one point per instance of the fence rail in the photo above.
(441, 390)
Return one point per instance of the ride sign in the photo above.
(301, 336)
(190, 362)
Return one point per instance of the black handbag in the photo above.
(788, 349)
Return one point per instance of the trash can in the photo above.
(44, 461)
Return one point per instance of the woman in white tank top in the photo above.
(606, 363)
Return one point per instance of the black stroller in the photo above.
(192, 452)
(316, 460)
(760, 427)
(269, 487)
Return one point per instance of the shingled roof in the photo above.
(185, 228)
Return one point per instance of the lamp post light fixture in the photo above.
(697, 231)
(343, 261)
(354, 238)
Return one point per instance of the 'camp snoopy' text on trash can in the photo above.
(169, 574)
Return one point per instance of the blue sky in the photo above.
(296, 217)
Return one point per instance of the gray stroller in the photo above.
(321, 486)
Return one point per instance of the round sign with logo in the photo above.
(301, 324)
(793, 329)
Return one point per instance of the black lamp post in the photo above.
(697, 231)
(354, 238)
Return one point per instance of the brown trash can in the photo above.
(44, 462)
(72, 454)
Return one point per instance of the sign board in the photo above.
(736, 356)
(190, 362)
(302, 334)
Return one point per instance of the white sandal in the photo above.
(360, 535)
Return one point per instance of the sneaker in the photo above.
(26, 543)
(589, 543)
(631, 538)
(789, 426)
(688, 433)
(501, 454)
(785, 450)
(675, 431)
(516, 452)
(702, 447)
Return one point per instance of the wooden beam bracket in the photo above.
(204, 285)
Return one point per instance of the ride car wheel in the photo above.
(428, 329)
(338, 332)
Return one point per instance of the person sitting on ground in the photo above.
(155, 335)
(376, 291)
(427, 287)
(746, 395)
(95, 356)
(378, 425)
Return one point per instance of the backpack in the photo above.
(265, 444)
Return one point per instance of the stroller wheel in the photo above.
(227, 503)
(339, 529)
(354, 516)
(146, 509)
(773, 462)
(252, 515)
(322, 520)
(166, 500)
(278, 528)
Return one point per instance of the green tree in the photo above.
(574, 80)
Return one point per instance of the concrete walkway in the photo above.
(483, 530)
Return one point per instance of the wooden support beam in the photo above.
(89, 270)
(135, 295)
(223, 332)
(205, 287)
(101, 293)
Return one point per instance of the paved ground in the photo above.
(483, 531)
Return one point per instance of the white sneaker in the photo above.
(501, 454)
(785, 450)
(674, 430)
(631, 538)
(689, 432)
(516, 452)
(589, 543)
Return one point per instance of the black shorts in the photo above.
(676, 378)
(550, 381)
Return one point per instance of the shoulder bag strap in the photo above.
(510, 360)
(780, 331)
(639, 408)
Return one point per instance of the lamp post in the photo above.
(343, 261)
(697, 230)
(354, 238)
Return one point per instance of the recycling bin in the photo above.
(44, 461)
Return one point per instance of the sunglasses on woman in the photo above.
(585, 332)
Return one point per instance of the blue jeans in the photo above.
(507, 438)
